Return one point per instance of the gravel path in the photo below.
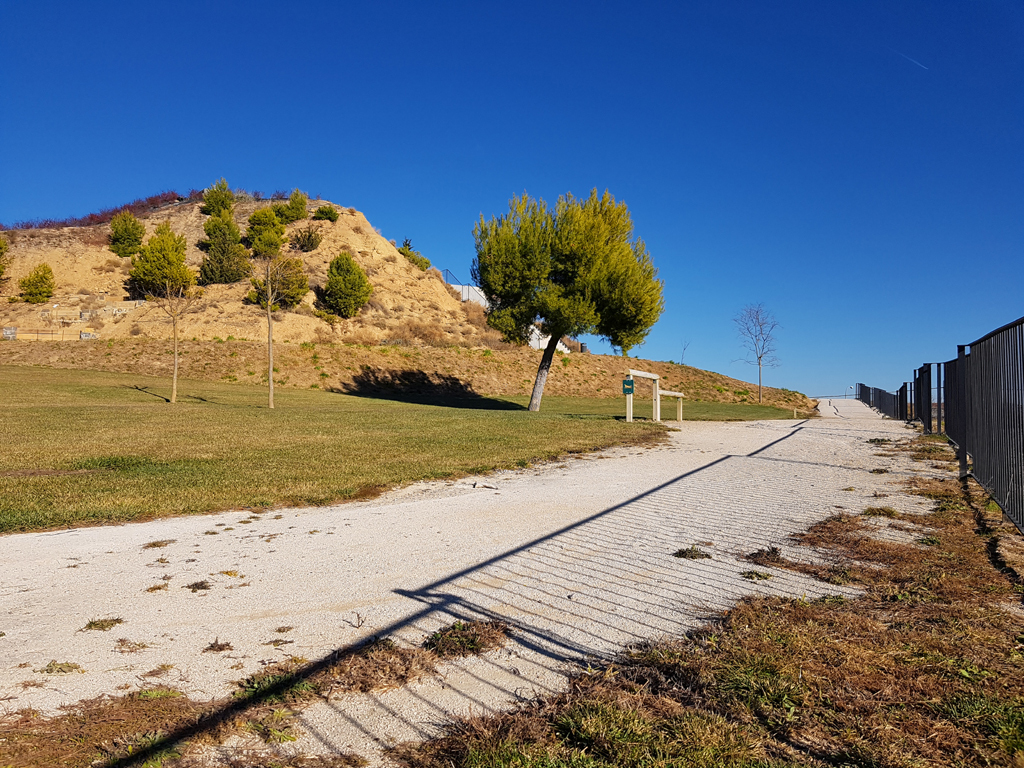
(575, 556)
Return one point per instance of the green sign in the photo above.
(627, 386)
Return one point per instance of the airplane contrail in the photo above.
(915, 61)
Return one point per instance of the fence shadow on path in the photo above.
(582, 592)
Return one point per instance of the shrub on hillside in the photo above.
(226, 260)
(307, 239)
(126, 233)
(415, 257)
(38, 285)
(217, 198)
(5, 259)
(325, 213)
(265, 235)
(294, 209)
(160, 263)
(347, 288)
(287, 280)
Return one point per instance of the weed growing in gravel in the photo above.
(101, 625)
(198, 586)
(157, 587)
(693, 552)
(880, 512)
(770, 556)
(755, 575)
(159, 544)
(124, 645)
(60, 668)
(465, 638)
(218, 647)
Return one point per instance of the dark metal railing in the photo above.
(979, 403)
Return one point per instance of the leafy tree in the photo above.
(294, 209)
(226, 260)
(38, 285)
(126, 233)
(347, 288)
(415, 257)
(265, 235)
(280, 282)
(5, 259)
(160, 261)
(574, 270)
(756, 327)
(325, 213)
(217, 198)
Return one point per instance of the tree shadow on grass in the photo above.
(420, 387)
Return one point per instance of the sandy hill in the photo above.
(415, 337)
(408, 304)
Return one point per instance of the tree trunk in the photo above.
(542, 372)
(270, 348)
(174, 376)
(759, 382)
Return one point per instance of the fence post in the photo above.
(961, 386)
(938, 397)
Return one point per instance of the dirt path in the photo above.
(576, 557)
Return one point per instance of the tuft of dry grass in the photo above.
(467, 638)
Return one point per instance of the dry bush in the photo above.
(96, 323)
(428, 333)
(475, 315)
(84, 292)
(361, 336)
(110, 265)
(357, 229)
(454, 292)
(136, 330)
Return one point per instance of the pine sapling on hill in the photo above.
(415, 257)
(217, 199)
(265, 234)
(294, 209)
(347, 290)
(325, 213)
(38, 285)
(226, 260)
(126, 233)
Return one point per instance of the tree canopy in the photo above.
(226, 260)
(126, 233)
(347, 290)
(577, 269)
(265, 234)
(217, 198)
(159, 267)
(38, 285)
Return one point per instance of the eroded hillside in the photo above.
(408, 305)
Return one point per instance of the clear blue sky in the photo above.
(857, 167)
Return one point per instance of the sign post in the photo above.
(627, 390)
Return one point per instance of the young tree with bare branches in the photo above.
(757, 326)
(176, 300)
(159, 273)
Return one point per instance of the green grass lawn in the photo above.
(80, 447)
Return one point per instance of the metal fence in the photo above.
(979, 403)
